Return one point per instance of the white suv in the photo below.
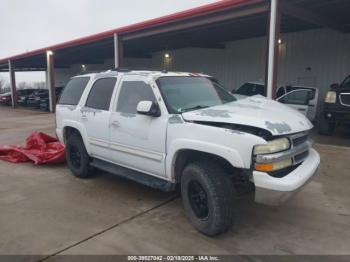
(164, 129)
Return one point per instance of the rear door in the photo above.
(300, 100)
(95, 116)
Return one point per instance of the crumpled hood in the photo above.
(256, 111)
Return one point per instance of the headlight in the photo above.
(273, 166)
(273, 146)
(331, 97)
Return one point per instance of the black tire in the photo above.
(326, 128)
(219, 192)
(78, 159)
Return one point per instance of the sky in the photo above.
(32, 24)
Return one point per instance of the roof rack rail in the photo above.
(121, 69)
(128, 69)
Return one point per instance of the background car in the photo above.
(23, 95)
(5, 99)
(336, 110)
(34, 99)
(250, 89)
(302, 98)
(45, 102)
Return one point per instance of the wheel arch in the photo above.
(70, 129)
(185, 156)
(202, 148)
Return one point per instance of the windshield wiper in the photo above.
(193, 108)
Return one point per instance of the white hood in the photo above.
(256, 111)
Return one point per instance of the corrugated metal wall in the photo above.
(315, 57)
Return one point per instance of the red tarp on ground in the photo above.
(40, 148)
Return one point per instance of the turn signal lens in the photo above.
(264, 167)
(273, 166)
(331, 97)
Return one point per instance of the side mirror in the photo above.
(148, 108)
(335, 86)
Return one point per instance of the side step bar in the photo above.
(130, 174)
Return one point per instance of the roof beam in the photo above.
(24, 69)
(312, 17)
(133, 55)
(208, 45)
(248, 10)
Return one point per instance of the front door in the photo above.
(298, 99)
(95, 116)
(137, 140)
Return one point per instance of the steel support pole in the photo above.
(13, 84)
(273, 50)
(50, 80)
(118, 51)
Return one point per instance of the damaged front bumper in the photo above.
(274, 191)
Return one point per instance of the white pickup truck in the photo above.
(165, 129)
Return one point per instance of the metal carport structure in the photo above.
(207, 26)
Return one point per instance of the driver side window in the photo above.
(297, 97)
(131, 93)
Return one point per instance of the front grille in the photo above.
(300, 157)
(345, 99)
(283, 172)
(299, 139)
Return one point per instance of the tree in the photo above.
(39, 85)
(21, 85)
(2, 84)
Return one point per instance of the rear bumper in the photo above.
(274, 191)
(33, 103)
(5, 102)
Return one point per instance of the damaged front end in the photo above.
(235, 128)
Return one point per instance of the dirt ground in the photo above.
(44, 210)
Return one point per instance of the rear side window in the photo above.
(101, 93)
(73, 91)
(131, 93)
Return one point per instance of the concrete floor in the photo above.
(44, 210)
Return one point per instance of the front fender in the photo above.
(227, 153)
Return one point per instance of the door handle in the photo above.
(115, 123)
(84, 118)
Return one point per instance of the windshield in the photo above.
(250, 89)
(183, 94)
(346, 83)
